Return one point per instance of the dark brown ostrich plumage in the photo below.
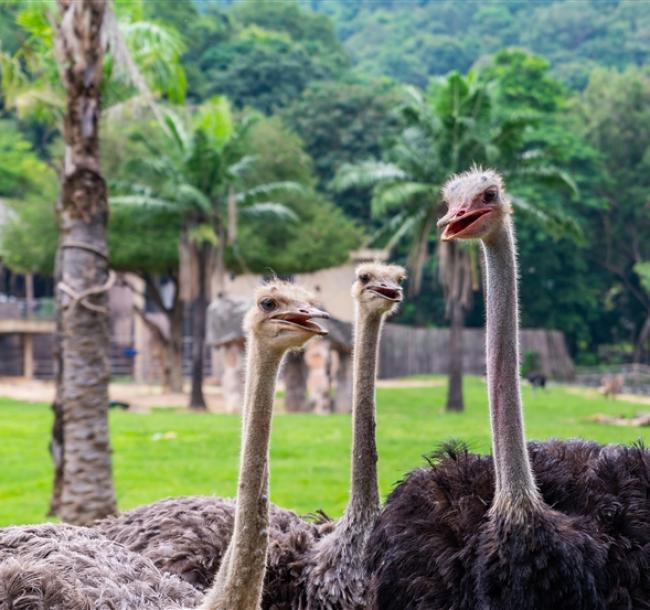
(63, 567)
(187, 537)
(429, 549)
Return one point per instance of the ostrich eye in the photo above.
(268, 304)
(364, 278)
(489, 196)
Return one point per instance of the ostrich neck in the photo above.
(515, 484)
(364, 493)
(238, 584)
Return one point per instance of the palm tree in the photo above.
(67, 95)
(451, 128)
(198, 167)
(88, 491)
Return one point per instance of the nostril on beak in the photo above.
(303, 311)
(460, 213)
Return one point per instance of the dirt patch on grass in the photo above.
(593, 393)
(140, 397)
(410, 383)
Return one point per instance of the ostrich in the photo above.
(106, 574)
(333, 577)
(567, 527)
(282, 319)
(64, 567)
(187, 536)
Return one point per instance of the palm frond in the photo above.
(402, 231)
(548, 174)
(425, 221)
(194, 197)
(214, 118)
(269, 208)
(366, 174)
(176, 129)
(142, 200)
(243, 165)
(555, 221)
(249, 195)
(391, 195)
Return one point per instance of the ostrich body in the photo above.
(308, 566)
(334, 577)
(64, 567)
(543, 527)
(188, 536)
(73, 568)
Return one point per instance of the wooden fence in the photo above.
(408, 351)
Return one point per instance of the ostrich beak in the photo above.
(462, 223)
(303, 317)
(387, 290)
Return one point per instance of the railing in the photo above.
(21, 309)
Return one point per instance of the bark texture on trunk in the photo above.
(294, 374)
(200, 306)
(87, 492)
(455, 401)
(175, 347)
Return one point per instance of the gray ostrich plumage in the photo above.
(188, 537)
(309, 566)
(64, 567)
(51, 567)
(334, 574)
(558, 525)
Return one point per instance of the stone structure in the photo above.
(225, 317)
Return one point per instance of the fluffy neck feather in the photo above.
(515, 484)
(238, 584)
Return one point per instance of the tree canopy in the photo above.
(555, 95)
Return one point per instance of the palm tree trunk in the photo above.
(87, 492)
(455, 400)
(175, 346)
(200, 305)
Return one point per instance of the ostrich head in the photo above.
(283, 316)
(478, 204)
(378, 287)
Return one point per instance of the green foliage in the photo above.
(262, 55)
(455, 126)
(144, 241)
(345, 122)
(414, 41)
(20, 168)
(203, 159)
(310, 453)
(140, 58)
(29, 234)
(320, 235)
(643, 271)
(614, 115)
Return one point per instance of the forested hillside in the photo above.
(413, 40)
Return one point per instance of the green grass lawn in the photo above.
(309, 455)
